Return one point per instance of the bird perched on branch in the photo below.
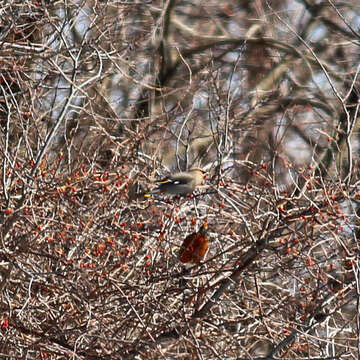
(181, 183)
(195, 246)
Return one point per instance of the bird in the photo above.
(181, 183)
(195, 246)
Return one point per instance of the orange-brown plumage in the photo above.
(194, 247)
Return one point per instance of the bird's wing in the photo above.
(164, 181)
(176, 179)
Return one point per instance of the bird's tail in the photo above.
(182, 280)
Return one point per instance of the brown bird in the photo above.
(195, 246)
(181, 183)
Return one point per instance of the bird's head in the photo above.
(199, 173)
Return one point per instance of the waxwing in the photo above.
(181, 183)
